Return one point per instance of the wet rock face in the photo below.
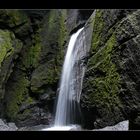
(111, 84)
(36, 116)
(77, 18)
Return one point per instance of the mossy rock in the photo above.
(9, 49)
(106, 85)
(12, 17)
(32, 56)
(52, 42)
(111, 78)
(6, 47)
(17, 93)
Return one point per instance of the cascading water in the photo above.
(68, 98)
(67, 109)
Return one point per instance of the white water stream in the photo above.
(67, 108)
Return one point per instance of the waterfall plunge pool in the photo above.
(63, 128)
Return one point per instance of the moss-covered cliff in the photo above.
(110, 88)
(32, 48)
(37, 70)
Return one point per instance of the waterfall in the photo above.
(67, 107)
(68, 98)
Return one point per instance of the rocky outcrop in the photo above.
(7, 126)
(111, 83)
(121, 126)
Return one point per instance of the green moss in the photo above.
(57, 26)
(16, 95)
(51, 20)
(12, 17)
(98, 25)
(106, 85)
(29, 100)
(2, 55)
(5, 45)
(31, 58)
(56, 36)
(9, 49)
(63, 36)
(63, 30)
(53, 38)
(25, 115)
(18, 46)
(44, 75)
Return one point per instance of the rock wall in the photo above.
(32, 48)
(111, 83)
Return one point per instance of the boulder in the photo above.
(7, 126)
(121, 126)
